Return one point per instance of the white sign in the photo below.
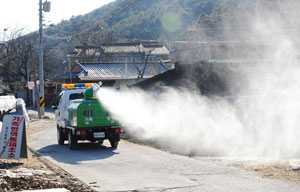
(30, 84)
(11, 137)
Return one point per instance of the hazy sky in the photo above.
(24, 13)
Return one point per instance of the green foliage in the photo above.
(147, 19)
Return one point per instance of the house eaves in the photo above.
(116, 71)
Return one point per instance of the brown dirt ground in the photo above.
(281, 169)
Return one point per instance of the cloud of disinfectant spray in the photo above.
(263, 121)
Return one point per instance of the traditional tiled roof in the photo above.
(141, 48)
(125, 48)
(113, 71)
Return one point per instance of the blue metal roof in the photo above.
(112, 71)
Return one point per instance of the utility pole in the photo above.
(46, 8)
(41, 60)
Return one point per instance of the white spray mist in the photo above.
(264, 121)
(178, 120)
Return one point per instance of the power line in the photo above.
(121, 10)
(107, 19)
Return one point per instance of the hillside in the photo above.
(144, 20)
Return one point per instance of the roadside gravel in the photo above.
(36, 172)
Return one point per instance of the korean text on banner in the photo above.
(11, 137)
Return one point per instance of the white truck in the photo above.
(70, 92)
(91, 122)
(63, 101)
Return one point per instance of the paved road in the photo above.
(142, 168)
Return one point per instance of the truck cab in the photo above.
(63, 101)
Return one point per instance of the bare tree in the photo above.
(9, 52)
(90, 41)
(142, 57)
(16, 56)
(26, 62)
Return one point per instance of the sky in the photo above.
(24, 13)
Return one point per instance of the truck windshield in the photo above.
(74, 96)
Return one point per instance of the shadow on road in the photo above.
(83, 152)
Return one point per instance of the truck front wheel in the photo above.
(72, 140)
(60, 136)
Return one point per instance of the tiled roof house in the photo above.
(112, 62)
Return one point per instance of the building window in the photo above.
(115, 59)
(129, 59)
(122, 59)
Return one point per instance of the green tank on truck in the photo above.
(87, 119)
(89, 113)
